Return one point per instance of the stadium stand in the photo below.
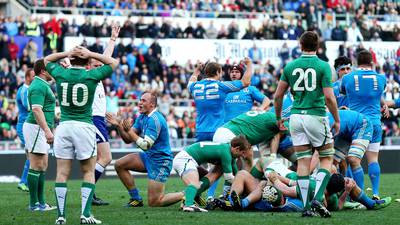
(142, 66)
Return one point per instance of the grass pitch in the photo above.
(14, 208)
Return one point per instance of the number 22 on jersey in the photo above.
(206, 91)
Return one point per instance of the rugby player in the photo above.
(209, 96)
(352, 141)
(364, 88)
(38, 135)
(242, 101)
(310, 81)
(149, 133)
(23, 111)
(342, 66)
(186, 163)
(75, 135)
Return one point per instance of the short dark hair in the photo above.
(241, 142)
(364, 57)
(39, 66)
(211, 69)
(77, 61)
(335, 184)
(309, 41)
(341, 60)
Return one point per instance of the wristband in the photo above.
(113, 39)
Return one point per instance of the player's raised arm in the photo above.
(111, 43)
(56, 56)
(197, 70)
(246, 79)
(84, 53)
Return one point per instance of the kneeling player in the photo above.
(187, 161)
(156, 159)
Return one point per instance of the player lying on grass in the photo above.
(186, 163)
(338, 189)
(259, 127)
(150, 133)
(352, 141)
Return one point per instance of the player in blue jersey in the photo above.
(209, 96)
(342, 66)
(23, 108)
(286, 106)
(150, 133)
(364, 88)
(242, 101)
(352, 141)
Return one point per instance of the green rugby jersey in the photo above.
(215, 153)
(40, 94)
(76, 88)
(256, 126)
(307, 76)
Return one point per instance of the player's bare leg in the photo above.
(157, 197)
(244, 182)
(123, 166)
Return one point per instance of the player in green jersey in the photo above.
(186, 162)
(75, 136)
(38, 135)
(309, 79)
(259, 128)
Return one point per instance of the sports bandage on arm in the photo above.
(144, 143)
(229, 177)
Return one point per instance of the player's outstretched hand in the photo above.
(247, 61)
(49, 137)
(335, 128)
(113, 120)
(115, 31)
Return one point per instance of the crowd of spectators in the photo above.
(227, 8)
(143, 68)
